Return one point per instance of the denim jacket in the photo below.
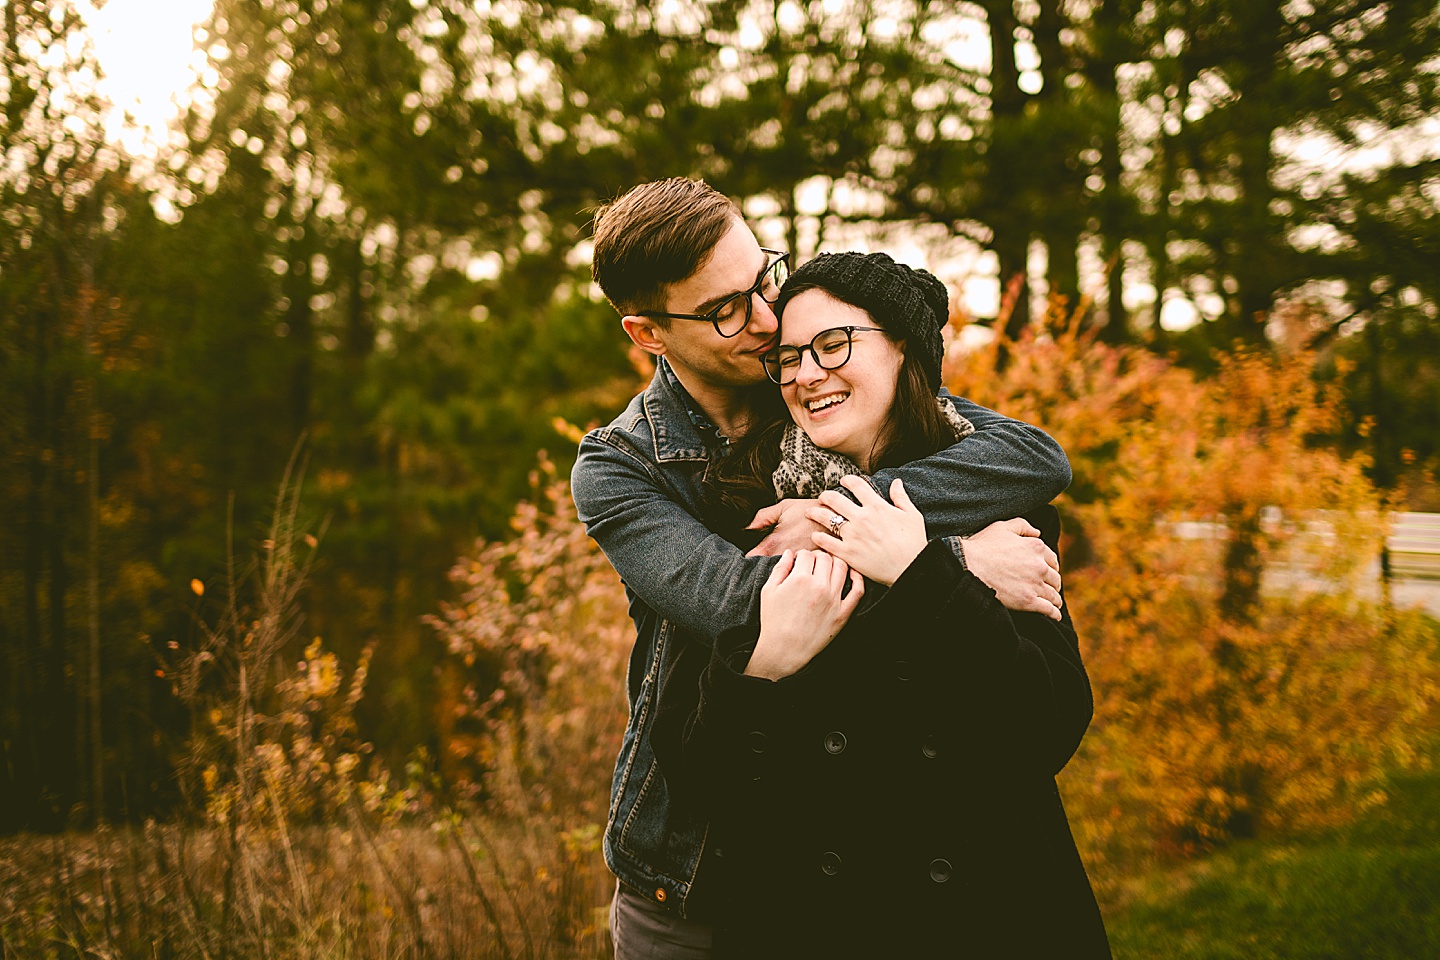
(636, 487)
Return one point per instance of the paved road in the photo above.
(1416, 593)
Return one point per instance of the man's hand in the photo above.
(790, 529)
(1012, 560)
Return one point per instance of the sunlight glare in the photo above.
(145, 49)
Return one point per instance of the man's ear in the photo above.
(646, 334)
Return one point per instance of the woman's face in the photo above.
(845, 410)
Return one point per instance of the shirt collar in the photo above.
(710, 434)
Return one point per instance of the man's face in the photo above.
(694, 347)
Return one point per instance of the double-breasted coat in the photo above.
(897, 796)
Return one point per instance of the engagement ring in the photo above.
(836, 522)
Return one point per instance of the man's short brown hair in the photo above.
(654, 235)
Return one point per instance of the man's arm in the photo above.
(704, 584)
(1004, 469)
(687, 574)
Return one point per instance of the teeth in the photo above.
(815, 406)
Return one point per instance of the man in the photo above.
(694, 288)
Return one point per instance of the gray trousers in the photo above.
(643, 930)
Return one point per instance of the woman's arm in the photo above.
(703, 743)
(712, 717)
(880, 540)
(803, 605)
(1026, 666)
(1020, 690)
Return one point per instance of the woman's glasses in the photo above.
(734, 314)
(830, 348)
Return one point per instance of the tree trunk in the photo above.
(1158, 238)
(1240, 598)
(1057, 173)
(33, 713)
(1106, 29)
(299, 318)
(1251, 250)
(1383, 469)
(89, 423)
(58, 699)
(359, 326)
(1006, 162)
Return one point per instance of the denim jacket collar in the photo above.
(673, 415)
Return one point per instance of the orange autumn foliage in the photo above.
(1222, 570)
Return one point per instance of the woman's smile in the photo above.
(826, 402)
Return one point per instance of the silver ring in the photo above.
(836, 522)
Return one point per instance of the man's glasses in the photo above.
(830, 348)
(733, 314)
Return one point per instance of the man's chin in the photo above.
(740, 375)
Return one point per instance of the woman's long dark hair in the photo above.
(738, 484)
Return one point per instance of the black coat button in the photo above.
(830, 863)
(902, 669)
(940, 870)
(758, 741)
(930, 748)
(834, 742)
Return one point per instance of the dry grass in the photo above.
(295, 843)
(452, 887)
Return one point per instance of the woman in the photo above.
(878, 761)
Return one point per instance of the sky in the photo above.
(146, 50)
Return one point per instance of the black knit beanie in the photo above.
(910, 304)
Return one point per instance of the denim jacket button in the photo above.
(758, 741)
(830, 863)
(834, 743)
(940, 870)
(660, 894)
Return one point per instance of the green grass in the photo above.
(1371, 890)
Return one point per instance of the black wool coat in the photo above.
(897, 796)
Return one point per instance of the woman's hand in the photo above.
(876, 538)
(801, 611)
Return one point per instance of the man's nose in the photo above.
(763, 322)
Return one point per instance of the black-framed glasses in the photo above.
(830, 348)
(732, 316)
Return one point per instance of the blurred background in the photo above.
(297, 335)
